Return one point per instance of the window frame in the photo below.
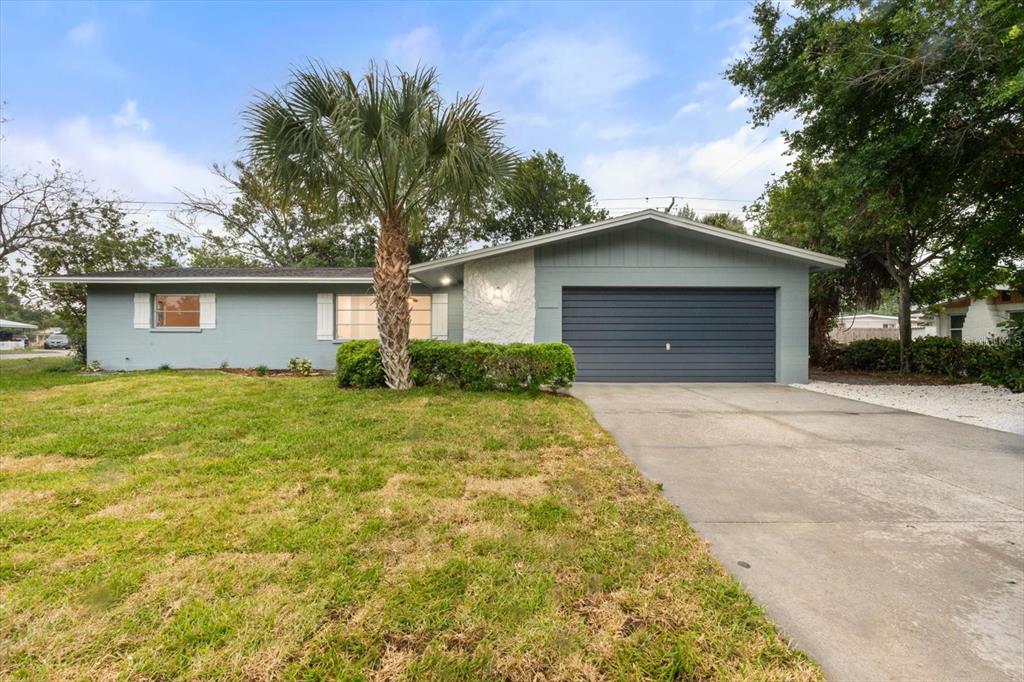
(154, 313)
(957, 332)
(429, 324)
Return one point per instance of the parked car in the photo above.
(57, 341)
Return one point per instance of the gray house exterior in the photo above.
(644, 297)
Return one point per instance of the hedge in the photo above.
(998, 362)
(473, 366)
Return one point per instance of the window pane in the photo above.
(176, 310)
(357, 317)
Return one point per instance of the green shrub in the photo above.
(358, 364)
(879, 355)
(472, 366)
(998, 362)
(1005, 365)
(260, 370)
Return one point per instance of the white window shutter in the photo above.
(325, 317)
(439, 316)
(142, 311)
(207, 311)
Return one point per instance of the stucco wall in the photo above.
(982, 321)
(255, 325)
(646, 256)
(498, 299)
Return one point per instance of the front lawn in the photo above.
(208, 525)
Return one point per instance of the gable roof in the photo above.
(817, 261)
(11, 324)
(225, 275)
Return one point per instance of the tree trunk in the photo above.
(903, 281)
(391, 292)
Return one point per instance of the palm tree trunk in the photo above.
(392, 291)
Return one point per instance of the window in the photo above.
(956, 326)
(356, 317)
(176, 311)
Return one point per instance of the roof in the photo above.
(875, 316)
(814, 260)
(817, 261)
(225, 275)
(11, 324)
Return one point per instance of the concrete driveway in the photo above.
(885, 544)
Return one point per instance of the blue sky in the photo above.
(144, 96)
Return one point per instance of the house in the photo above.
(858, 326)
(642, 297)
(976, 319)
(14, 335)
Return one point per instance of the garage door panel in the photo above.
(660, 337)
(619, 334)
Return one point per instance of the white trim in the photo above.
(782, 249)
(113, 279)
(142, 313)
(207, 311)
(325, 317)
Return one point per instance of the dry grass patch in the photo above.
(234, 527)
(517, 488)
(42, 464)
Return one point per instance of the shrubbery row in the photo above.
(998, 362)
(474, 365)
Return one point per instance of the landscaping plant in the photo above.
(303, 366)
(473, 366)
(386, 147)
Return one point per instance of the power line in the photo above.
(673, 196)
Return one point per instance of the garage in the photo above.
(652, 334)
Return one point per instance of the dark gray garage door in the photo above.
(669, 334)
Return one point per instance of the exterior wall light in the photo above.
(446, 280)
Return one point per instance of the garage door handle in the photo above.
(668, 346)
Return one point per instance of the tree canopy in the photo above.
(385, 147)
(912, 131)
(539, 197)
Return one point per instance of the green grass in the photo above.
(182, 525)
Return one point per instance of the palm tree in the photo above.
(388, 147)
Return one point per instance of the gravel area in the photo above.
(977, 404)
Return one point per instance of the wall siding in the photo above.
(646, 256)
(256, 325)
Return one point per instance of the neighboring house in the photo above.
(643, 297)
(976, 319)
(15, 335)
(859, 326)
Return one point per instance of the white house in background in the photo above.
(859, 326)
(975, 319)
(869, 321)
(13, 335)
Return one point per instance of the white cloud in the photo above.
(688, 108)
(568, 71)
(129, 117)
(117, 160)
(620, 131)
(735, 167)
(420, 46)
(84, 34)
(738, 103)
(704, 86)
(732, 22)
